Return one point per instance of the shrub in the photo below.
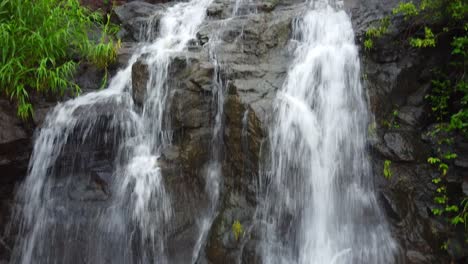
(39, 41)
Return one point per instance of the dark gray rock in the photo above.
(415, 257)
(417, 98)
(411, 115)
(124, 54)
(140, 78)
(139, 19)
(400, 145)
(15, 144)
(15, 148)
(89, 77)
(11, 129)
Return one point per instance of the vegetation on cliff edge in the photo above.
(42, 42)
(428, 22)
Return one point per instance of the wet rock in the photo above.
(413, 116)
(398, 77)
(457, 247)
(417, 98)
(11, 129)
(89, 77)
(223, 244)
(400, 146)
(140, 19)
(140, 78)
(465, 188)
(415, 257)
(91, 188)
(15, 148)
(215, 10)
(124, 54)
(15, 144)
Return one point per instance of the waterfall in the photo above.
(132, 227)
(320, 206)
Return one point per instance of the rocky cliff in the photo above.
(253, 55)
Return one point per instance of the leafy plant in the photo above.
(407, 9)
(237, 229)
(427, 41)
(387, 171)
(427, 21)
(376, 32)
(463, 216)
(392, 122)
(441, 197)
(40, 41)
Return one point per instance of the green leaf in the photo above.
(433, 160)
(457, 220)
(452, 208)
(436, 212)
(436, 180)
(387, 171)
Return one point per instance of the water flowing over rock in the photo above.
(320, 207)
(234, 131)
(117, 165)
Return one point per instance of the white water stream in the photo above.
(139, 210)
(320, 205)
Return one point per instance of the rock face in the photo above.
(139, 19)
(15, 148)
(253, 60)
(398, 79)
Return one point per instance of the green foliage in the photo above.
(39, 41)
(452, 212)
(376, 32)
(237, 229)
(460, 46)
(392, 121)
(386, 170)
(372, 129)
(459, 120)
(427, 41)
(368, 44)
(406, 9)
(439, 97)
(462, 217)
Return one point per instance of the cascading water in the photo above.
(320, 206)
(131, 228)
